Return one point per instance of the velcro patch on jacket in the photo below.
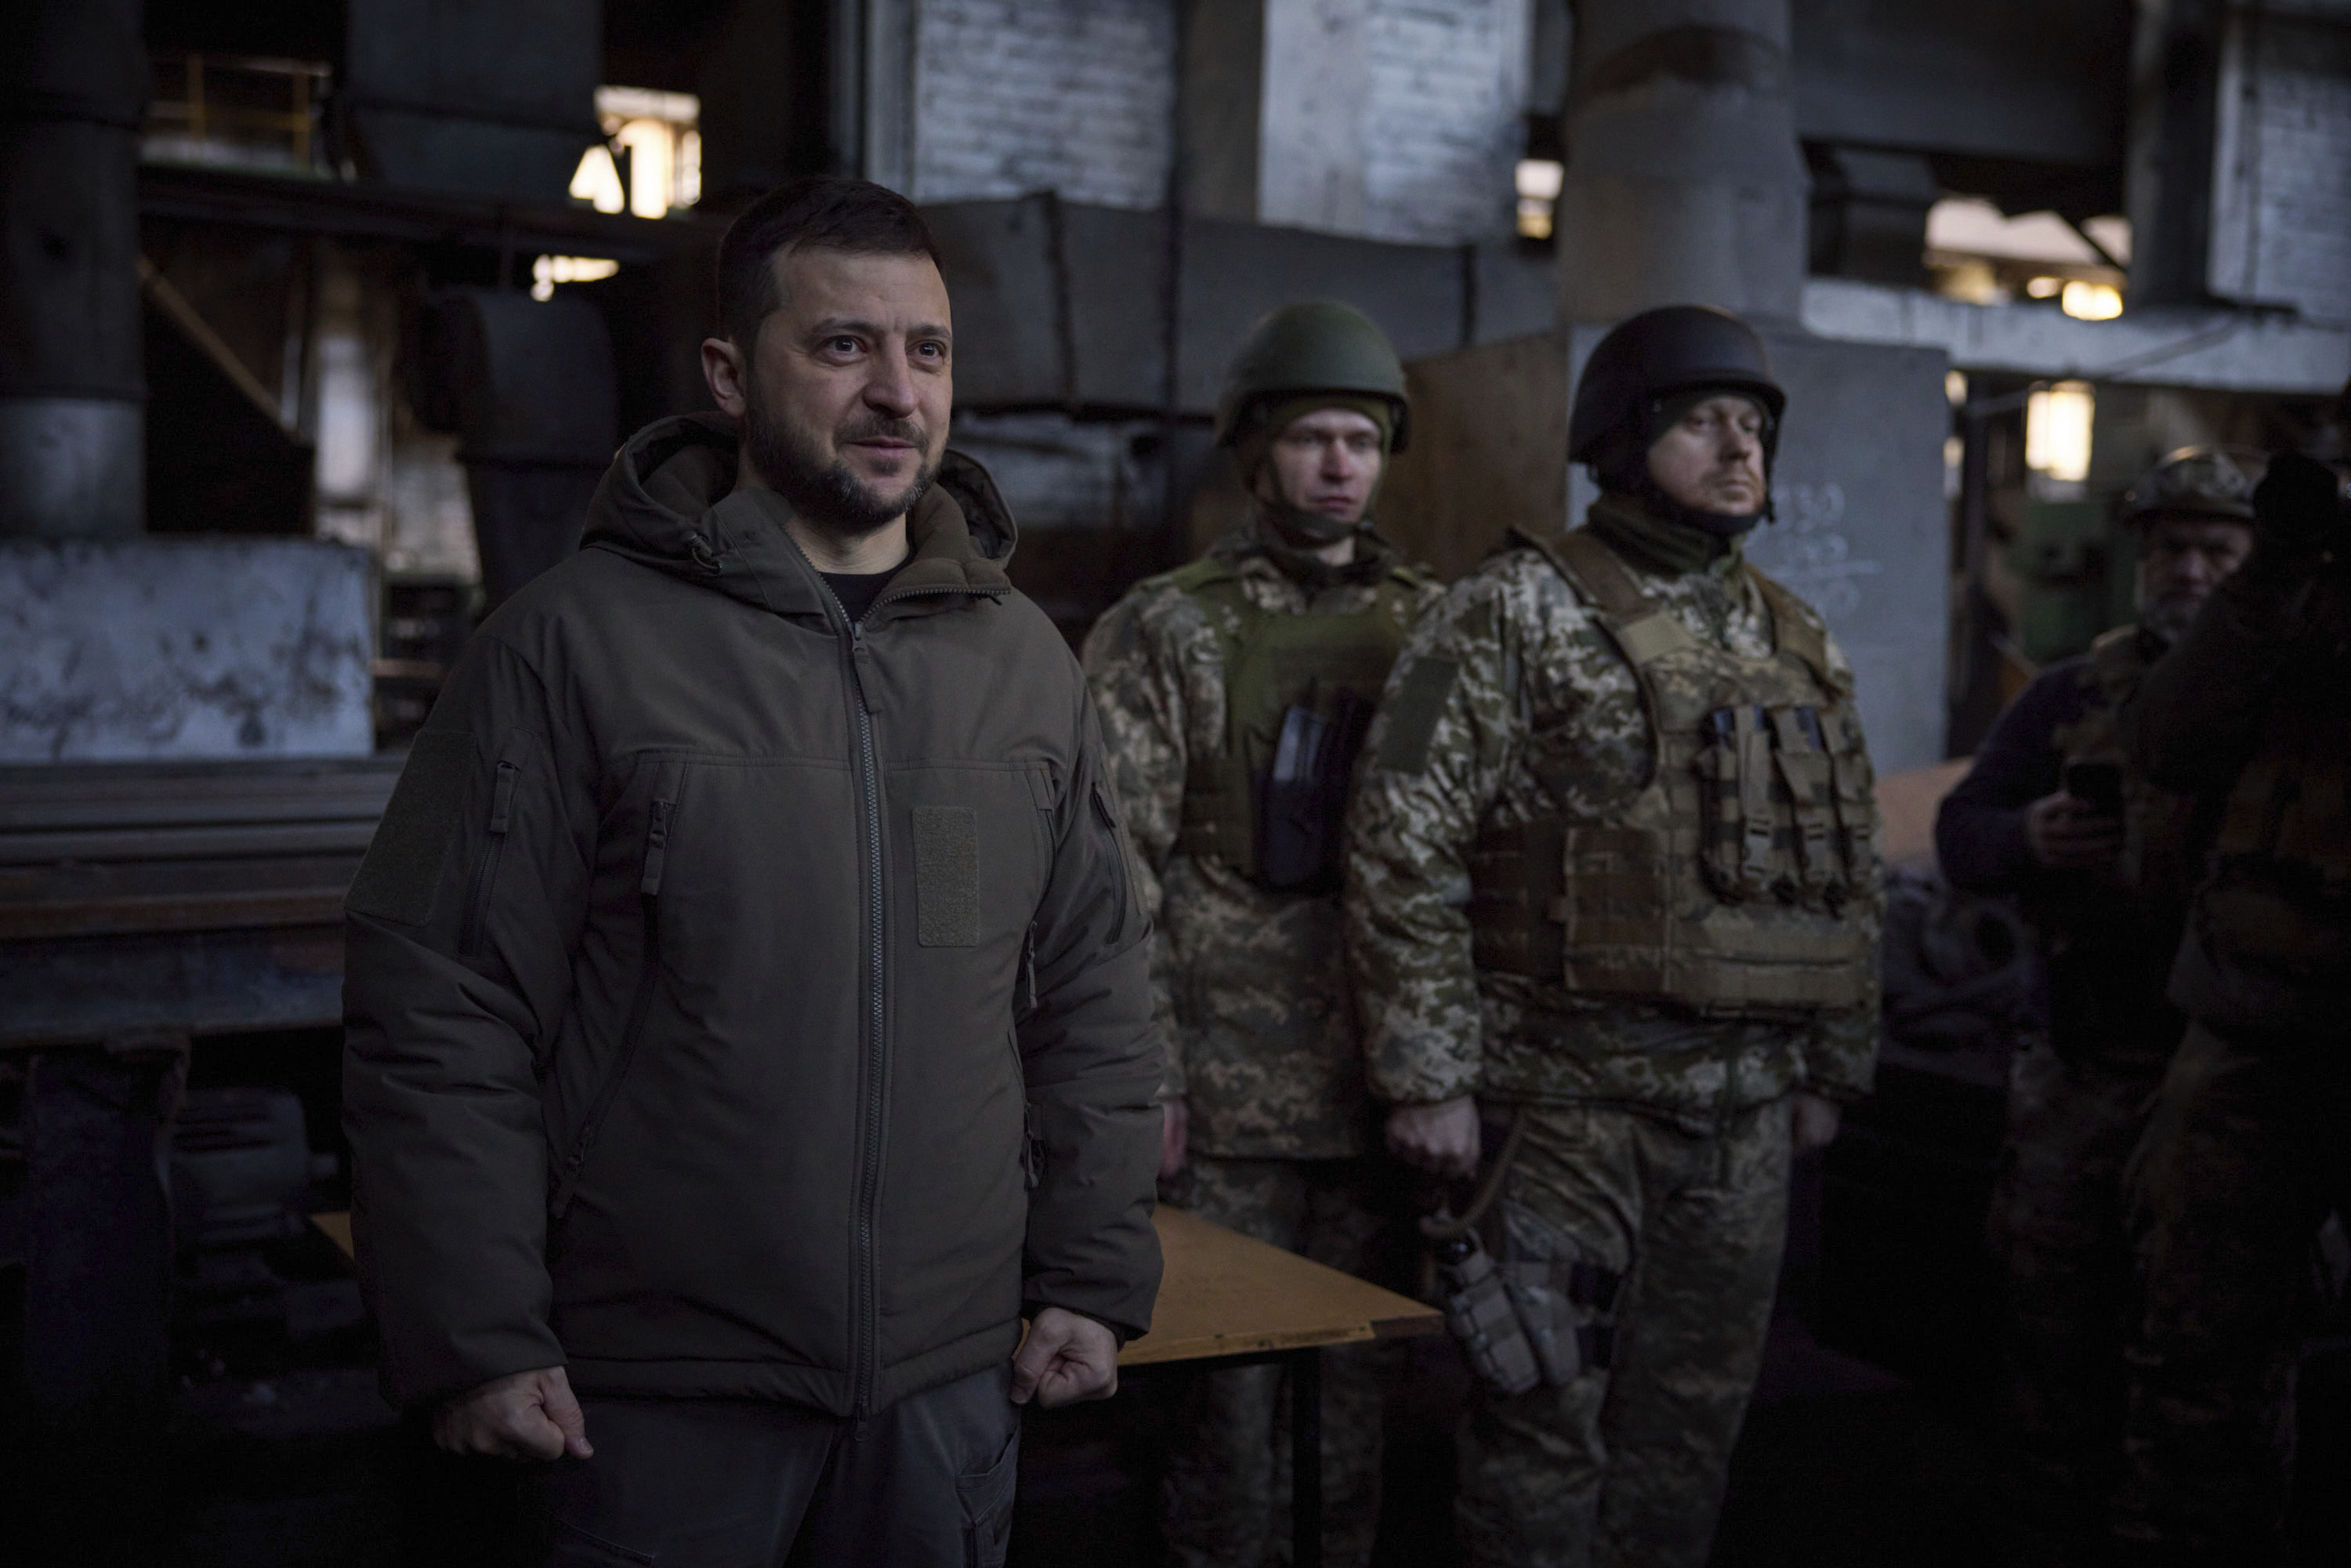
(1413, 713)
(403, 869)
(946, 876)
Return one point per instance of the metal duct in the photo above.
(529, 388)
(495, 97)
(74, 77)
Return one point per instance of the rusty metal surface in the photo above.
(196, 898)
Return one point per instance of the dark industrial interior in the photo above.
(323, 319)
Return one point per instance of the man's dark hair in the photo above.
(822, 210)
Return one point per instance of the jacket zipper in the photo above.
(486, 870)
(867, 1330)
(657, 830)
(1110, 825)
(869, 1179)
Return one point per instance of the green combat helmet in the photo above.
(1317, 346)
(2214, 482)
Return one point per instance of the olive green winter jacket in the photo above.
(740, 1002)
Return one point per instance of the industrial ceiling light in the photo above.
(657, 131)
(2091, 301)
(1539, 182)
(2057, 420)
(549, 270)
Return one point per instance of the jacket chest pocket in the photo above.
(974, 844)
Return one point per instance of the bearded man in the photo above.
(2103, 862)
(748, 1009)
(1610, 881)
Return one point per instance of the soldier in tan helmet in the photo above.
(2102, 861)
(1234, 693)
(1610, 880)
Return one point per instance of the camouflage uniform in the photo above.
(1264, 1045)
(2245, 1150)
(1656, 1139)
(2077, 1101)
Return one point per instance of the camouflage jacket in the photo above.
(1543, 702)
(1249, 982)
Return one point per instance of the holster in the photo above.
(1483, 1317)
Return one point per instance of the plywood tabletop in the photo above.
(1223, 1294)
(1228, 1294)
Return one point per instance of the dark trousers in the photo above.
(2244, 1157)
(748, 1483)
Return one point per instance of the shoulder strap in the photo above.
(1796, 631)
(1643, 629)
(1196, 575)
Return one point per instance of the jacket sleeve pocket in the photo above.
(403, 869)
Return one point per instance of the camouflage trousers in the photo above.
(2244, 1154)
(2070, 1299)
(1228, 1489)
(1627, 1464)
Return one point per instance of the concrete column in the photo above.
(1273, 111)
(72, 413)
(1684, 184)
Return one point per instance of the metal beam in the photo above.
(2224, 350)
(364, 210)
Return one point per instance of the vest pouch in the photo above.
(1853, 796)
(1802, 761)
(1717, 766)
(1299, 693)
(1304, 793)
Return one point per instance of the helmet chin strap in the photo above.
(1307, 531)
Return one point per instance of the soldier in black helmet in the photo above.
(2102, 861)
(2246, 1147)
(1233, 693)
(1610, 883)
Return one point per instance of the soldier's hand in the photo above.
(2067, 833)
(524, 1416)
(1066, 1357)
(1812, 1123)
(1172, 1133)
(1442, 1139)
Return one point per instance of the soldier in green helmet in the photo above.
(1234, 693)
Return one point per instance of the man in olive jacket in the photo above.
(748, 1008)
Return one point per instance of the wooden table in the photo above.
(1227, 1299)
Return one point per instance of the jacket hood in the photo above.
(669, 502)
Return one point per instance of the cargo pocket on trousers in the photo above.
(575, 1548)
(987, 1500)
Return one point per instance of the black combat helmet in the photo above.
(2214, 482)
(1649, 358)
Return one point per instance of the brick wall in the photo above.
(1012, 96)
(1442, 128)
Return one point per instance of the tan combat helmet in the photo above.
(2215, 482)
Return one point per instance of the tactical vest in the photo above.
(1723, 885)
(1299, 694)
(2158, 864)
(2279, 898)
